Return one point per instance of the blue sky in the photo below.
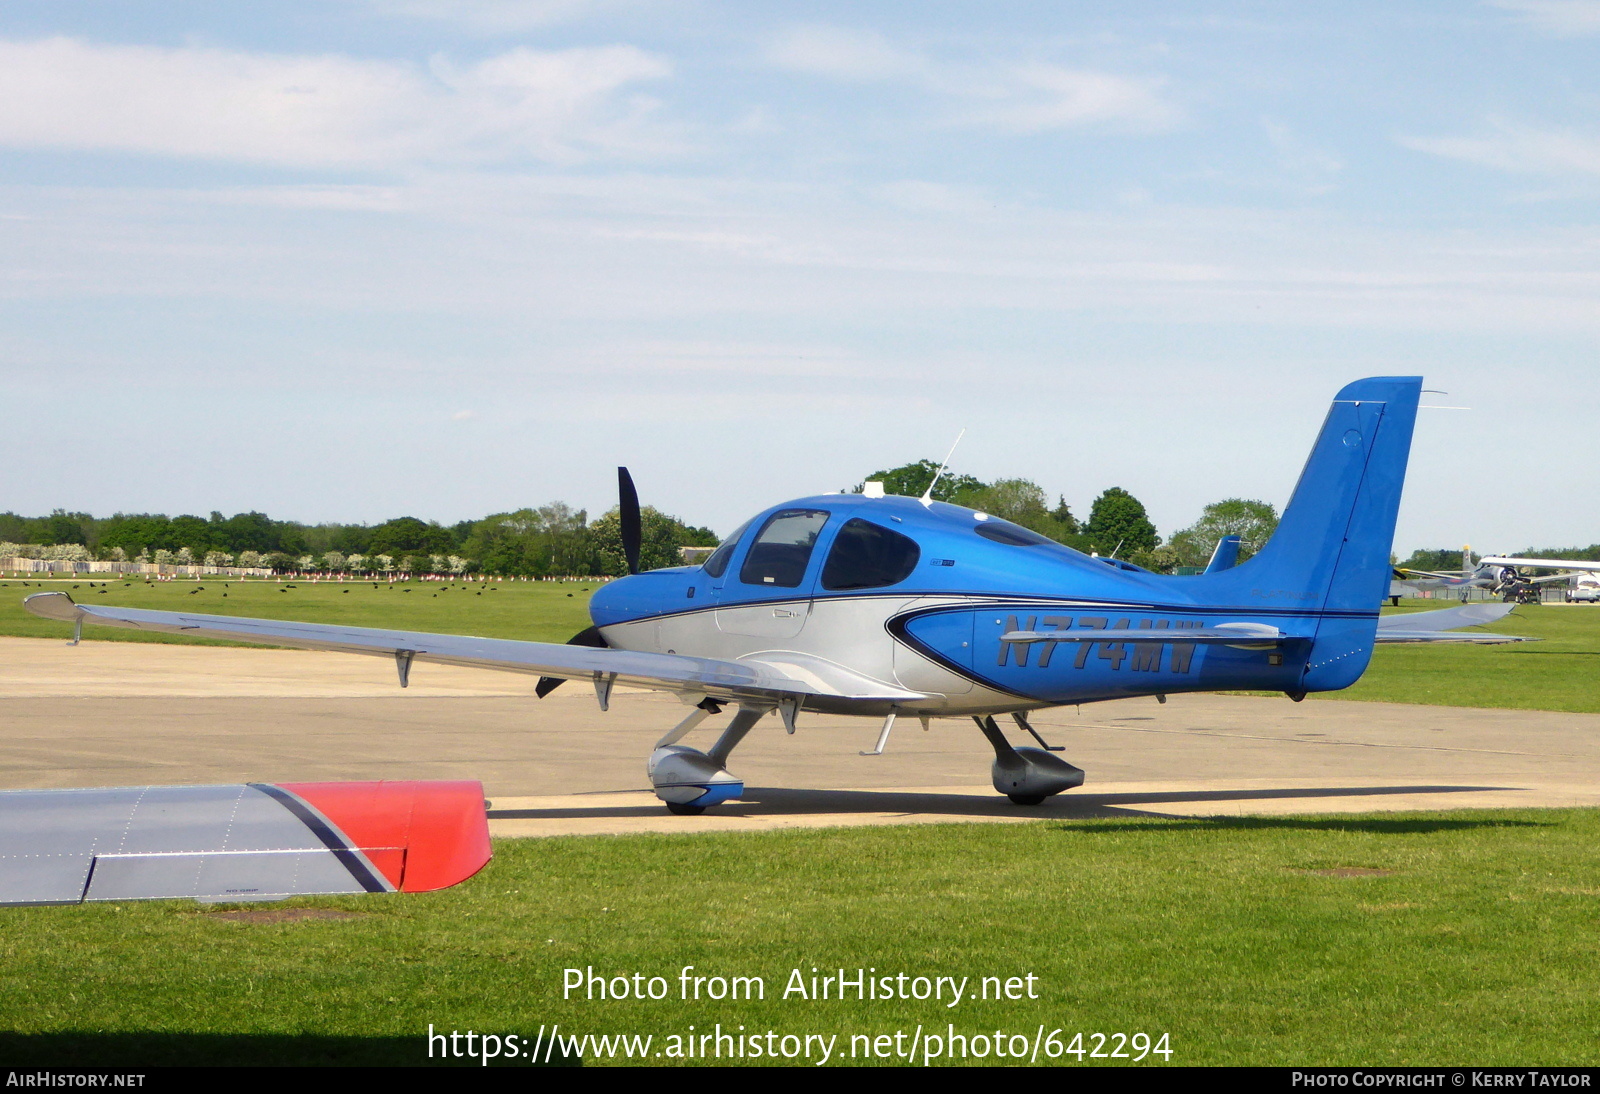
(348, 259)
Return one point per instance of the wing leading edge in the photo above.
(750, 680)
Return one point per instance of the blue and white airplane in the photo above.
(890, 606)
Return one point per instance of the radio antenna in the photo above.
(927, 495)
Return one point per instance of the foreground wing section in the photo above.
(255, 841)
(1440, 626)
(752, 680)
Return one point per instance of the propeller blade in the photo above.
(632, 531)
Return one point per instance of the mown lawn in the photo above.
(539, 611)
(1559, 673)
(1442, 938)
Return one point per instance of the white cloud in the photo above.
(1032, 98)
(1564, 18)
(1510, 146)
(1016, 96)
(844, 54)
(326, 111)
(463, 416)
(493, 16)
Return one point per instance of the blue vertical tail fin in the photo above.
(1226, 556)
(1330, 553)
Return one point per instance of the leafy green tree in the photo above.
(661, 536)
(1118, 524)
(912, 479)
(1022, 501)
(1439, 560)
(552, 539)
(63, 527)
(407, 536)
(1162, 559)
(1253, 521)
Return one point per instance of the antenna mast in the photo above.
(927, 495)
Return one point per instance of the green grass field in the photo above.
(1425, 938)
(538, 611)
(1561, 672)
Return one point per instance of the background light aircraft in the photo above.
(892, 606)
(1504, 577)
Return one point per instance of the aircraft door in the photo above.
(770, 595)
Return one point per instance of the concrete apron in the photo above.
(107, 713)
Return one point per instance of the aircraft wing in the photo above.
(254, 841)
(1440, 626)
(736, 680)
(1546, 563)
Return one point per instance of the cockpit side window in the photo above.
(718, 562)
(866, 556)
(782, 551)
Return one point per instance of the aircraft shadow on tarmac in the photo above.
(778, 802)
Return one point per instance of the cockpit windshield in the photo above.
(718, 562)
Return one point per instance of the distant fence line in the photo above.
(169, 569)
(65, 566)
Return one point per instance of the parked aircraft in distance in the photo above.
(1501, 576)
(893, 606)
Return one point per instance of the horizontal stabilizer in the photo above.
(1222, 633)
(251, 841)
(1440, 626)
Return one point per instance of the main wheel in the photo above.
(1027, 799)
(683, 810)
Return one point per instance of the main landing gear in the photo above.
(689, 780)
(1027, 775)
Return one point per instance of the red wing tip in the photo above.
(441, 827)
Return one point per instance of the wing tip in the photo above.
(52, 605)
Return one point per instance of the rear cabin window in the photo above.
(1003, 531)
(782, 551)
(865, 556)
(718, 562)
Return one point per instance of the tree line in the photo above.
(1442, 560)
(557, 539)
(1118, 524)
(551, 540)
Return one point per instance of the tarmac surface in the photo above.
(124, 713)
